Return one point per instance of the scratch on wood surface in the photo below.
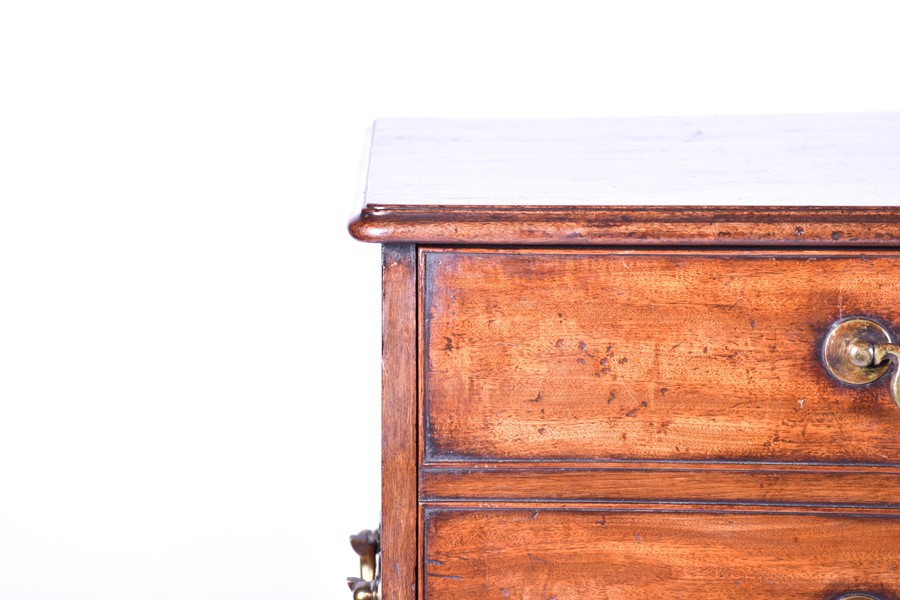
(533, 559)
(627, 391)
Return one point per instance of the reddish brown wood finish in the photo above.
(556, 553)
(554, 354)
(399, 509)
(634, 423)
(615, 484)
(627, 225)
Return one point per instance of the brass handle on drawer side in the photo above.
(891, 351)
(857, 351)
(367, 544)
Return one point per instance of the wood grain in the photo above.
(630, 225)
(399, 524)
(601, 369)
(591, 355)
(645, 484)
(623, 553)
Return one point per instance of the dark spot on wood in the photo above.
(583, 347)
(541, 430)
(605, 370)
(580, 361)
(604, 361)
(644, 404)
(623, 361)
(705, 350)
(537, 398)
(752, 324)
(733, 355)
(612, 396)
(448, 346)
(610, 348)
(723, 234)
(663, 391)
(836, 235)
(631, 412)
(625, 218)
(602, 520)
(798, 231)
(559, 343)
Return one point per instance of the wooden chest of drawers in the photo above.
(628, 359)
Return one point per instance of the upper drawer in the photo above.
(544, 355)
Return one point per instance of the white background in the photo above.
(189, 339)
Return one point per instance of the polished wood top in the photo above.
(793, 160)
(664, 180)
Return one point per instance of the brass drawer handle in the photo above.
(857, 351)
(367, 544)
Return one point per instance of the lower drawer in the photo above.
(657, 552)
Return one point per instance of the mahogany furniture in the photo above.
(637, 358)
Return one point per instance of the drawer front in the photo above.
(586, 355)
(545, 553)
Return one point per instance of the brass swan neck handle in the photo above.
(858, 351)
(367, 544)
(882, 352)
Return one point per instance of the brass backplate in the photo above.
(837, 352)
